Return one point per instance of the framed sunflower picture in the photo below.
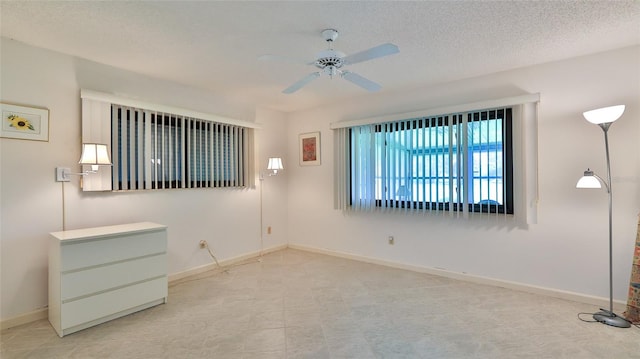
(310, 149)
(25, 123)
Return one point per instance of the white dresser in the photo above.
(99, 274)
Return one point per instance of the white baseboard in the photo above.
(26, 318)
(600, 302)
(223, 263)
(44, 312)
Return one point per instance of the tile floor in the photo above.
(296, 304)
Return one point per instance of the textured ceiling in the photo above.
(215, 45)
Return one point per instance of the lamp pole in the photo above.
(608, 316)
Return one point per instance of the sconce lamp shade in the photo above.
(604, 115)
(275, 164)
(94, 154)
(589, 180)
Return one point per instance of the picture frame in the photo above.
(309, 144)
(24, 123)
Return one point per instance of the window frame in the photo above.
(97, 128)
(448, 121)
(199, 153)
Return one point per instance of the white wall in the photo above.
(566, 250)
(31, 200)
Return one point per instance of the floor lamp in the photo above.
(604, 117)
(274, 165)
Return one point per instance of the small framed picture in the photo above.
(25, 123)
(310, 149)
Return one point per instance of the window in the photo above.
(456, 162)
(156, 150)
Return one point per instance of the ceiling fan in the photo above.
(332, 62)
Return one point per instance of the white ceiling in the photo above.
(215, 45)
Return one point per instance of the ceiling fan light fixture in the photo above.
(331, 71)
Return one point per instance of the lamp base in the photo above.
(610, 318)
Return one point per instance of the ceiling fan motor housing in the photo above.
(329, 58)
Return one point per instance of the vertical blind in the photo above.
(157, 150)
(457, 162)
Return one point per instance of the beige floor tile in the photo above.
(296, 304)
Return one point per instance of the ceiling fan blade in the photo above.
(372, 53)
(361, 81)
(302, 82)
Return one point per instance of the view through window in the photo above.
(440, 163)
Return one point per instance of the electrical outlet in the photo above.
(203, 244)
(269, 230)
(391, 240)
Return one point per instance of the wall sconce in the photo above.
(93, 154)
(604, 117)
(275, 165)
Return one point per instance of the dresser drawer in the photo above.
(99, 306)
(81, 254)
(80, 283)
